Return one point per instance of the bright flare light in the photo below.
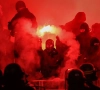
(47, 29)
(48, 32)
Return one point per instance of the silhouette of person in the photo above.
(74, 25)
(13, 78)
(22, 12)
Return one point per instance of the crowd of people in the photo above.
(50, 61)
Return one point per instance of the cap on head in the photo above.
(20, 4)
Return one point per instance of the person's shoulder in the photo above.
(68, 23)
(16, 16)
(31, 14)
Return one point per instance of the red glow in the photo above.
(47, 32)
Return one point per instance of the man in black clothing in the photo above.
(22, 12)
(84, 40)
(51, 60)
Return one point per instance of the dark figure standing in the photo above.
(74, 25)
(51, 60)
(22, 12)
(84, 40)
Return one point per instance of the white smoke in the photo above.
(72, 54)
(47, 32)
(27, 44)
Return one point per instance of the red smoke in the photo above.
(26, 44)
(6, 46)
(67, 38)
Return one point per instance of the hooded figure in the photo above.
(84, 40)
(93, 55)
(22, 12)
(74, 25)
(50, 61)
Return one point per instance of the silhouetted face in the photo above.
(19, 9)
(20, 5)
(82, 30)
(49, 44)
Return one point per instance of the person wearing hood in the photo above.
(22, 12)
(84, 40)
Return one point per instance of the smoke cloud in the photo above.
(6, 49)
(67, 38)
(6, 46)
(27, 44)
(72, 54)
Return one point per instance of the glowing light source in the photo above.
(47, 32)
(46, 29)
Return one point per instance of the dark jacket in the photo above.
(50, 63)
(24, 13)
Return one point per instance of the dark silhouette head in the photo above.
(13, 78)
(13, 73)
(20, 5)
(76, 77)
(89, 71)
(49, 44)
(84, 28)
